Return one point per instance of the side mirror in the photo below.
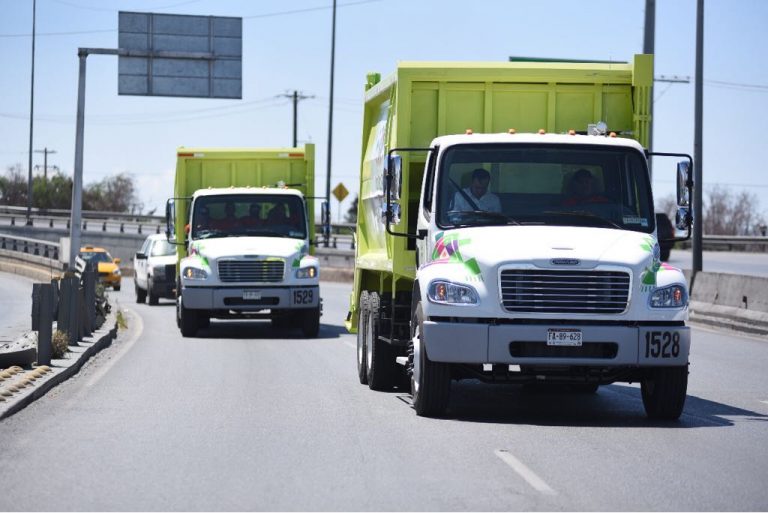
(141, 256)
(683, 218)
(170, 221)
(395, 173)
(683, 184)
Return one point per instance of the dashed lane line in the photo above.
(523, 471)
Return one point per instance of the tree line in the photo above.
(112, 194)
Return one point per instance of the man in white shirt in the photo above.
(478, 193)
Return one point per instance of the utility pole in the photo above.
(31, 118)
(327, 221)
(296, 96)
(698, 221)
(45, 152)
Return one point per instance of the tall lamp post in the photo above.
(31, 118)
(327, 220)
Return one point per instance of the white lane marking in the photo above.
(126, 347)
(524, 472)
(350, 344)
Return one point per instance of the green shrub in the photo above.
(60, 343)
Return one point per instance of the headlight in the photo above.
(158, 272)
(669, 297)
(306, 272)
(116, 272)
(193, 273)
(445, 292)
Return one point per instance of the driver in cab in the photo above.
(476, 196)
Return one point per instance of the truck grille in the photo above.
(270, 271)
(543, 291)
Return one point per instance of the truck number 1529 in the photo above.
(662, 344)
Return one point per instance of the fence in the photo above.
(73, 303)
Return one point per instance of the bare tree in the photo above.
(112, 194)
(726, 213)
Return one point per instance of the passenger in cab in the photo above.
(581, 190)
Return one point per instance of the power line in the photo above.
(254, 16)
(107, 9)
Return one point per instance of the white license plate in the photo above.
(565, 337)
(251, 294)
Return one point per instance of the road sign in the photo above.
(340, 192)
(180, 55)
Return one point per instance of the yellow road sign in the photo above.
(340, 192)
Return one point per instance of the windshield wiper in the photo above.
(487, 214)
(584, 215)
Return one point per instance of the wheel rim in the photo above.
(369, 343)
(416, 371)
(360, 343)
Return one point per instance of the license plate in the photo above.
(251, 294)
(564, 337)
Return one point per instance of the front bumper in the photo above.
(110, 279)
(251, 299)
(526, 344)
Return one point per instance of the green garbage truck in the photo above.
(506, 233)
(243, 220)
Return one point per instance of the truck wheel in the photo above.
(430, 381)
(664, 390)
(362, 329)
(203, 320)
(141, 294)
(379, 357)
(187, 321)
(310, 322)
(152, 297)
(116, 288)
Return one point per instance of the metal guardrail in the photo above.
(32, 247)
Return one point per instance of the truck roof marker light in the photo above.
(512, 131)
(542, 131)
(571, 132)
(468, 131)
(612, 134)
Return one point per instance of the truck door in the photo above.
(426, 208)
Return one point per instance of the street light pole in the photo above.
(327, 220)
(648, 48)
(31, 117)
(698, 220)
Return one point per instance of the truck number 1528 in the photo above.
(662, 344)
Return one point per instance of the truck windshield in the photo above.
(561, 185)
(241, 215)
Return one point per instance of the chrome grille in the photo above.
(236, 271)
(544, 291)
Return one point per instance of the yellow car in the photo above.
(108, 267)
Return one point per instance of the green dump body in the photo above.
(203, 168)
(423, 100)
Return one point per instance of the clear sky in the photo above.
(286, 46)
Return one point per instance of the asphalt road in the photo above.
(730, 262)
(247, 418)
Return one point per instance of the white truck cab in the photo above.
(248, 257)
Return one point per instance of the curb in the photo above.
(60, 371)
(737, 319)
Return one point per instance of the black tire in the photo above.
(203, 320)
(310, 322)
(280, 320)
(188, 322)
(141, 294)
(380, 357)
(362, 331)
(431, 391)
(152, 297)
(664, 390)
(116, 288)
